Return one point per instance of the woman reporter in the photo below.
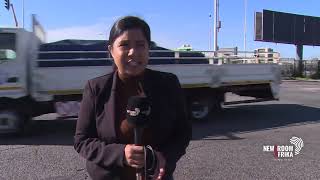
(103, 135)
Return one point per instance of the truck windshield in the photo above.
(8, 41)
(7, 46)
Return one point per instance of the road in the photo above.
(227, 146)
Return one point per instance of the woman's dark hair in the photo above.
(126, 23)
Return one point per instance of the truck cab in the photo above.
(17, 49)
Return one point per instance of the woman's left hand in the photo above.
(160, 171)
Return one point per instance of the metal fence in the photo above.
(310, 68)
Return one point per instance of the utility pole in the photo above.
(245, 29)
(215, 28)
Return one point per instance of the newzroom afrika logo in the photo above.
(286, 151)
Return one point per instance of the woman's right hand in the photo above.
(134, 156)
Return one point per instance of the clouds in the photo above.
(100, 30)
(96, 31)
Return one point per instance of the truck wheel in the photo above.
(11, 121)
(199, 110)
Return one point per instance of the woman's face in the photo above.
(130, 52)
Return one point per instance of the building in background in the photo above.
(232, 55)
(266, 55)
(228, 55)
(185, 47)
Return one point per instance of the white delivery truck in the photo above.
(39, 78)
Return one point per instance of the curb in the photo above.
(284, 80)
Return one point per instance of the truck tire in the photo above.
(11, 122)
(199, 109)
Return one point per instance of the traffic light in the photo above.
(7, 4)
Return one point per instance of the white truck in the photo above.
(39, 78)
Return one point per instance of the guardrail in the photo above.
(211, 57)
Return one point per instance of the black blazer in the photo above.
(96, 140)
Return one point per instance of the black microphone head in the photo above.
(138, 111)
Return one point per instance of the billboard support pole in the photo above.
(299, 57)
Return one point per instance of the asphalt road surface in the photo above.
(228, 146)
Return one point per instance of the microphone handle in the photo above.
(138, 141)
(137, 136)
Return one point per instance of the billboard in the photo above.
(280, 27)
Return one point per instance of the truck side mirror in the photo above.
(7, 54)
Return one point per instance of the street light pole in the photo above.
(23, 13)
(210, 33)
(14, 15)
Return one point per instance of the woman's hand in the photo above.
(134, 156)
(160, 171)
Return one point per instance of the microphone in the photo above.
(138, 111)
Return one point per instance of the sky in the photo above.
(173, 22)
